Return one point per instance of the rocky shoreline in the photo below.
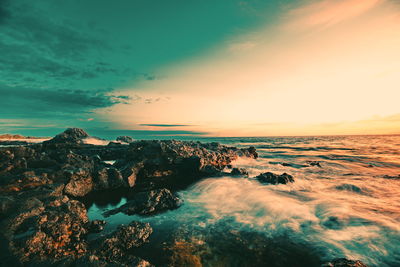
(43, 187)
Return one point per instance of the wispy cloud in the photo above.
(320, 63)
(329, 12)
(165, 125)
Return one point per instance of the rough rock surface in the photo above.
(239, 171)
(342, 262)
(71, 135)
(272, 178)
(148, 203)
(116, 247)
(52, 230)
(314, 163)
(42, 219)
(125, 139)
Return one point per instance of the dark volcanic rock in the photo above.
(342, 262)
(130, 172)
(272, 178)
(350, 188)
(147, 203)
(6, 205)
(175, 164)
(41, 225)
(108, 178)
(53, 231)
(118, 247)
(314, 163)
(80, 182)
(125, 139)
(71, 135)
(239, 171)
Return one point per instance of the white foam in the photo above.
(95, 141)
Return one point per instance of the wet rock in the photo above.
(97, 226)
(239, 171)
(220, 245)
(391, 176)
(130, 172)
(54, 231)
(118, 246)
(108, 178)
(148, 203)
(80, 182)
(272, 178)
(314, 163)
(125, 139)
(350, 188)
(342, 262)
(95, 261)
(176, 164)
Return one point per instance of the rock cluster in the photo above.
(342, 262)
(148, 203)
(272, 178)
(42, 218)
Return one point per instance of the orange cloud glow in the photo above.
(325, 68)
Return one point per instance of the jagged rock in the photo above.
(175, 164)
(108, 178)
(130, 172)
(125, 139)
(95, 261)
(50, 232)
(147, 203)
(314, 163)
(272, 178)
(40, 225)
(80, 182)
(71, 135)
(118, 246)
(342, 262)
(239, 171)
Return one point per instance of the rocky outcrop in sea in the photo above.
(43, 187)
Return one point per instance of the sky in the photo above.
(200, 68)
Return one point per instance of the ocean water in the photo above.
(347, 207)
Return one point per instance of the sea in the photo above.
(348, 206)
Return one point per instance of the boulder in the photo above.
(53, 231)
(148, 203)
(314, 163)
(272, 178)
(342, 262)
(239, 172)
(80, 182)
(125, 139)
(108, 178)
(118, 246)
(71, 135)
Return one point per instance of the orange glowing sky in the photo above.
(325, 67)
(218, 68)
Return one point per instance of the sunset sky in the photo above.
(213, 68)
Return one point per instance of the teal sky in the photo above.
(61, 60)
(200, 67)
